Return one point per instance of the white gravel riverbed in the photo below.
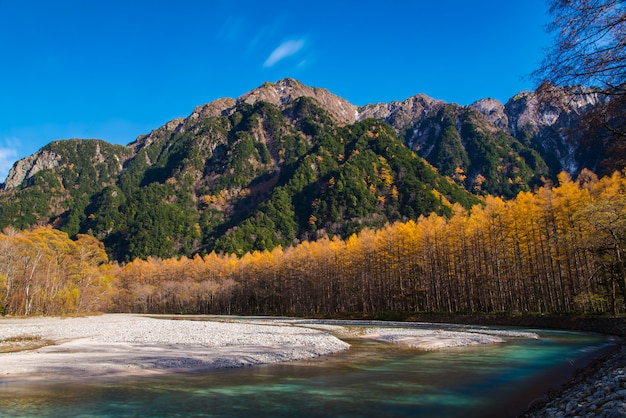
(121, 344)
(117, 344)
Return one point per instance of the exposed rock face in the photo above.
(544, 125)
(219, 107)
(547, 125)
(493, 111)
(27, 167)
(288, 90)
(406, 117)
(524, 114)
(280, 94)
(145, 140)
(527, 112)
(73, 161)
(401, 114)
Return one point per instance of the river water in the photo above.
(370, 379)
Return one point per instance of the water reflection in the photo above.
(370, 379)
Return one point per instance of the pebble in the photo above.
(599, 394)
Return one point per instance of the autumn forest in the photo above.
(559, 249)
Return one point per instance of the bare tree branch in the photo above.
(590, 50)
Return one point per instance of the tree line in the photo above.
(559, 249)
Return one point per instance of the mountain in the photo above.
(279, 165)
(286, 163)
(553, 127)
(56, 183)
(465, 145)
(495, 148)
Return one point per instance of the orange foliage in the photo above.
(560, 249)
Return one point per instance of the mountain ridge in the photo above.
(285, 163)
(519, 115)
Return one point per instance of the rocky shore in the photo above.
(599, 390)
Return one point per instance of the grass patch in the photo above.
(22, 343)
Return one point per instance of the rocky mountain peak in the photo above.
(27, 167)
(537, 109)
(401, 114)
(528, 116)
(219, 107)
(224, 170)
(101, 159)
(493, 110)
(279, 94)
(546, 116)
(287, 90)
(216, 108)
(523, 112)
(144, 140)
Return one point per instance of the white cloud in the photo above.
(284, 50)
(7, 158)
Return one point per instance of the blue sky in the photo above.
(117, 69)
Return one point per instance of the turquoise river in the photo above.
(370, 379)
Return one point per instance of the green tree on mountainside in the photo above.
(257, 178)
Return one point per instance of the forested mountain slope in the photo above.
(282, 164)
(231, 177)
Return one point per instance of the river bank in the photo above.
(603, 324)
(598, 390)
(611, 325)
